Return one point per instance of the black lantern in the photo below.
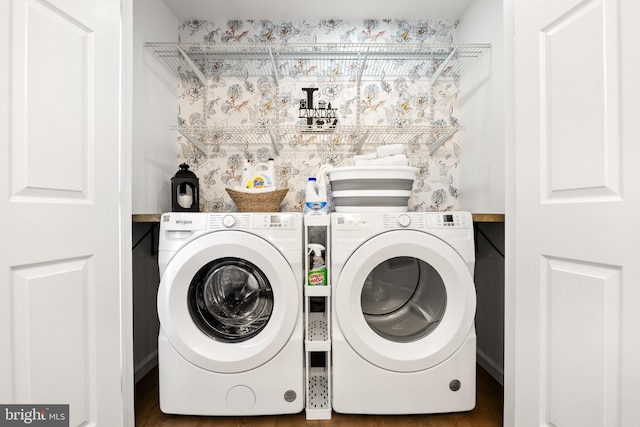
(185, 191)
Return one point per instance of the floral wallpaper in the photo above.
(252, 100)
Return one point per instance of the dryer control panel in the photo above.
(427, 220)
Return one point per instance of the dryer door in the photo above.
(228, 301)
(405, 300)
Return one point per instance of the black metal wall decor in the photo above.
(320, 118)
(185, 191)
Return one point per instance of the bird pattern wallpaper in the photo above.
(237, 95)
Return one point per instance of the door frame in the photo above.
(126, 183)
(509, 225)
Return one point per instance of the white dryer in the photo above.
(404, 304)
(230, 310)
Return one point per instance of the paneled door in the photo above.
(577, 213)
(61, 322)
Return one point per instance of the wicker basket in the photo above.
(258, 202)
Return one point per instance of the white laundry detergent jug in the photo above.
(260, 176)
(315, 197)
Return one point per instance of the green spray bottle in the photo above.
(318, 272)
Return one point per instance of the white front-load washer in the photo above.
(403, 337)
(230, 310)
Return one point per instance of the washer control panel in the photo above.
(275, 221)
(448, 220)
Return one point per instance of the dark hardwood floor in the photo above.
(488, 412)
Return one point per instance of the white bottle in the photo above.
(315, 198)
(260, 176)
(246, 172)
(271, 169)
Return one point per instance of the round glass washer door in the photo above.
(228, 301)
(405, 300)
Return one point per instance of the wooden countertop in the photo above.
(477, 217)
(145, 217)
(488, 217)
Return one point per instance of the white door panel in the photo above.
(39, 293)
(581, 343)
(51, 103)
(60, 206)
(577, 211)
(580, 95)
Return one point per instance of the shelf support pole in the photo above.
(443, 66)
(276, 81)
(194, 141)
(358, 90)
(193, 66)
(274, 142)
(361, 142)
(274, 64)
(433, 147)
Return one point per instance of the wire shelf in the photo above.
(342, 137)
(351, 61)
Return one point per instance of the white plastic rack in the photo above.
(317, 320)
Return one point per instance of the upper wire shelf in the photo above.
(327, 60)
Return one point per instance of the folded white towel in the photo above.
(394, 160)
(367, 156)
(389, 150)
